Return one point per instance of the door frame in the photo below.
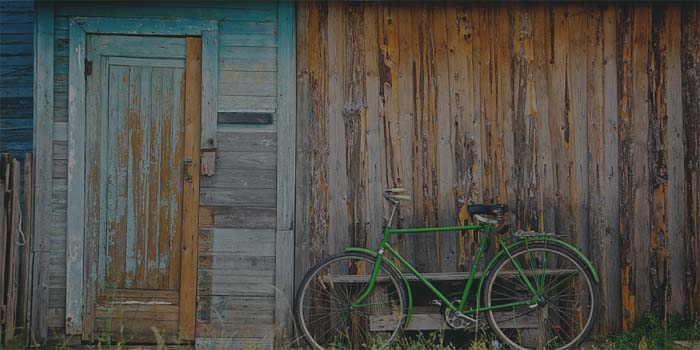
(80, 271)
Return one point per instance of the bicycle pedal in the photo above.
(436, 302)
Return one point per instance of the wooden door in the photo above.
(139, 88)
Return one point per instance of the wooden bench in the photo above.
(426, 318)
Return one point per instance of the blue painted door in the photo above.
(138, 87)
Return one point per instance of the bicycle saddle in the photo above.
(496, 209)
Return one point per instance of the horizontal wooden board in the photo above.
(237, 262)
(237, 197)
(235, 178)
(189, 12)
(247, 160)
(246, 142)
(256, 242)
(247, 103)
(249, 39)
(247, 27)
(237, 217)
(261, 64)
(234, 287)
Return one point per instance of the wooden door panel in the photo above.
(142, 109)
(144, 183)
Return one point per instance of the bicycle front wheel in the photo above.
(324, 307)
(565, 304)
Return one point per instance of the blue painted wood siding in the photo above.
(243, 189)
(16, 73)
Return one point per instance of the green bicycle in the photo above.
(361, 299)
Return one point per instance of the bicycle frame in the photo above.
(487, 229)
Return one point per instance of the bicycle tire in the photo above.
(561, 320)
(389, 279)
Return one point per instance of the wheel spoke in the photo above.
(325, 309)
(563, 314)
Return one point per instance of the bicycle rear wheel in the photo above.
(324, 304)
(566, 309)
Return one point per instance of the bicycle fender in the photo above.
(373, 253)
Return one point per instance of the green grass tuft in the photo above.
(650, 332)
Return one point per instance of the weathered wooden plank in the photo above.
(610, 248)
(11, 290)
(76, 180)
(376, 162)
(237, 217)
(556, 54)
(190, 212)
(247, 160)
(312, 181)
(248, 88)
(338, 205)
(247, 27)
(43, 152)
(5, 221)
(352, 210)
(659, 260)
(676, 153)
(237, 197)
(624, 72)
(209, 99)
(286, 171)
(247, 142)
(690, 45)
(253, 242)
(247, 103)
(576, 103)
(24, 310)
(140, 26)
(423, 158)
(181, 13)
(227, 302)
(640, 155)
(446, 135)
(250, 39)
(460, 29)
(235, 262)
(236, 178)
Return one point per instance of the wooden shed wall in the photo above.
(16, 72)
(584, 119)
(237, 205)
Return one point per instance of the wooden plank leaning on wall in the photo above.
(188, 271)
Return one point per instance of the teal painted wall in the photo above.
(16, 72)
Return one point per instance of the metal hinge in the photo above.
(88, 67)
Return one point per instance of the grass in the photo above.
(652, 333)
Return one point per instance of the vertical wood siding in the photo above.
(584, 119)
